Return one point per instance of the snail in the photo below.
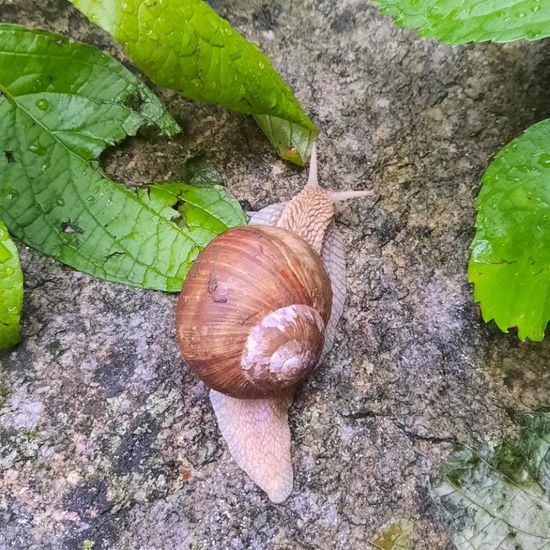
(256, 314)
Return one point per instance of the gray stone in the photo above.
(105, 434)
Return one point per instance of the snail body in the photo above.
(257, 313)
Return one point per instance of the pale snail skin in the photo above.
(256, 430)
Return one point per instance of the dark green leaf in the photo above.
(61, 104)
(510, 261)
(11, 290)
(186, 46)
(472, 20)
(199, 172)
(499, 500)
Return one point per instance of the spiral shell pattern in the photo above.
(253, 310)
(283, 347)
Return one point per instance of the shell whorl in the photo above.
(283, 348)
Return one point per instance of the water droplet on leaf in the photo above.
(43, 104)
(544, 160)
(8, 194)
(37, 148)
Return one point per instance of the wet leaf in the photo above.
(187, 47)
(11, 290)
(472, 20)
(396, 536)
(61, 104)
(500, 499)
(510, 260)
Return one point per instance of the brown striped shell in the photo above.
(252, 313)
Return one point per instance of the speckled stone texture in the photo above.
(105, 434)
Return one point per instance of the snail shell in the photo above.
(252, 315)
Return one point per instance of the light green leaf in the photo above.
(203, 212)
(11, 290)
(61, 104)
(499, 500)
(186, 46)
(510, 261)
(472, 20)
(396, 536)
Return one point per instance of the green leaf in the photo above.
(186, 46)
(499, 499)
(203, 212)
(472, 20)
(11, 290)
(510, 260)
(396, 536)
(61, 104)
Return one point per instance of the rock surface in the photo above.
(106, 436)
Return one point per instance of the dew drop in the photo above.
(43, 104)
(432, 13)
(544, 160)
(60, 201)
(90, 198)
(8, 194)
(37, 148)
(521, 14)
(535, 9)
(9, 271)
(12, 308)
